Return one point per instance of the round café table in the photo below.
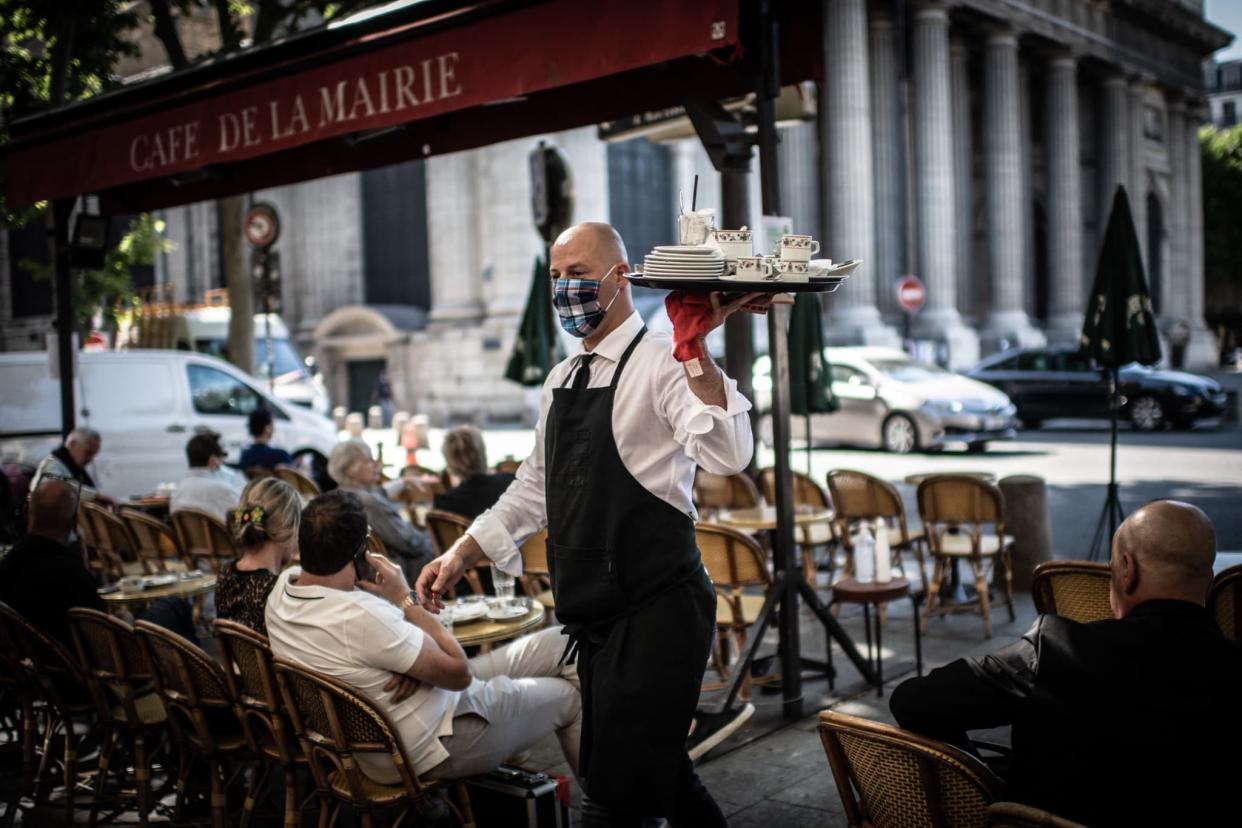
(182, 588)
(762, 518)
(919, 477)
(486, 631)
(850, 591)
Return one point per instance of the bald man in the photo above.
(1133, 721)
(622, 428)
(41, 577)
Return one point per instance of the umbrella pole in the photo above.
(809, 473)
(1112, 515)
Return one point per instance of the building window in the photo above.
(640, 200)
(28, 245)
(396, 261)
(1229, 113)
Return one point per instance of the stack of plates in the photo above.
(684, 262)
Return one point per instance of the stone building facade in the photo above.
(975, 143)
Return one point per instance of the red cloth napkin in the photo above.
(691, 314)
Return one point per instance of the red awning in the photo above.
(376, 99)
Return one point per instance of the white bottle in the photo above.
(883, 557)
(864, 555)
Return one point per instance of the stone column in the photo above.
(508, 242)
(452, 227)
(889, 146)
(1137, 187)
(1007, 324)
(933, 162)
(1067, 294)
(1173, 304)
(1202, 351)
(1114, 151)
(846, 138)
(963, 173)
(1026, 163)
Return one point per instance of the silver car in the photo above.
(890, 401)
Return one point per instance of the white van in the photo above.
(205, 329)
(146, 404)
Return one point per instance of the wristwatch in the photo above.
(410, 600)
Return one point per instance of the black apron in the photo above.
(635, 600)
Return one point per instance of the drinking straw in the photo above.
(694, 194)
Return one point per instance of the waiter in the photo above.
(621, 428)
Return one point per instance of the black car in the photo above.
(1059, 382)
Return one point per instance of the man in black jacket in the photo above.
(1133, 721)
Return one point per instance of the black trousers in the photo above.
(694, 808)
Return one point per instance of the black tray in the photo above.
(827, 285)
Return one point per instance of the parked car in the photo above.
(890, 401)
(146, 404)
(1059, 382)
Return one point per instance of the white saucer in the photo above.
(466, 612)
(506, 613)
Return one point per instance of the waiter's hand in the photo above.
(439, 576)
(722, 312)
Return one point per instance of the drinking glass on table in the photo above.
(503, 584)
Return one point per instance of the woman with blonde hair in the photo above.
(265, 530)
(475, 489)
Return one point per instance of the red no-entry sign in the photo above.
(262, 227)
(910, 293)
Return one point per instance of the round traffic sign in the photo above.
(262, 227)
(910, 293)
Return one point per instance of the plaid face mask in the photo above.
(577, 303)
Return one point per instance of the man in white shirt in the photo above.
(456, 716)
(621, 429)
(210, 486)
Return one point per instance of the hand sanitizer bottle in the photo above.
(864, 555)
(883, 557)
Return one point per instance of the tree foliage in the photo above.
(1222, 205)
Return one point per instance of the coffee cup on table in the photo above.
(795, 248)
(753, 268)
(733, 243)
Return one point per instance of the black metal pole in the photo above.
(64, 311)
(739, 328)
(1114, 501)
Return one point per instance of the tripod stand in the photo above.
(1111, 515)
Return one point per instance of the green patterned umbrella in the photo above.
(1120, 327)
(537, 347)
(810, 376)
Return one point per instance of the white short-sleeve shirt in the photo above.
(362, 640)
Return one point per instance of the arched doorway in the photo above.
(1155, 242)
(357, 343)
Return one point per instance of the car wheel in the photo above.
(899, 435)
(1146, 413)
(977, 447)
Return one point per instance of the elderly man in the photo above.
(622, 427)
(69, 462)
(1133, 721)
(457, 717)
(354, 470)
(210, 486)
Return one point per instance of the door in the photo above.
(131, 402)
(364, 375)
(859, 418)
(222, 403)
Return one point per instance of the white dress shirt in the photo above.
(207, 491)
(662, 430)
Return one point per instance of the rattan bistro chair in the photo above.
(19, 692)
(335, 725)
(445, 529)
(120, 681)
(1017, 815)
(113, 540)
(204, 540)
(153, 542)
(887, 776)
(301, 483)
(858, 496)
(715, 491)
(536, 578)
(201, 713)
(955, 509)
(735, 562)
(1077, 590)
(1225, 601)
(261, 710)
(808, 536)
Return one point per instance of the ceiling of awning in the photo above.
(455, 77)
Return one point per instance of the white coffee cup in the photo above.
(753, 268)
(796, 248)
(733, 243)
(793, 271)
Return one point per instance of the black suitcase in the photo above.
(513, 798)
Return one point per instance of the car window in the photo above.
(1033, 361)
(1009, 364)
(215, 392)
(905, 370)
(1074, 361)
(844, 373)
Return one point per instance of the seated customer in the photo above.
(475, 490)
(1132, 721)
(210, 486)
(351, 466)
(465, 716)
(260, 455)
(42, 578)
(70, 460)
(265, 530)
